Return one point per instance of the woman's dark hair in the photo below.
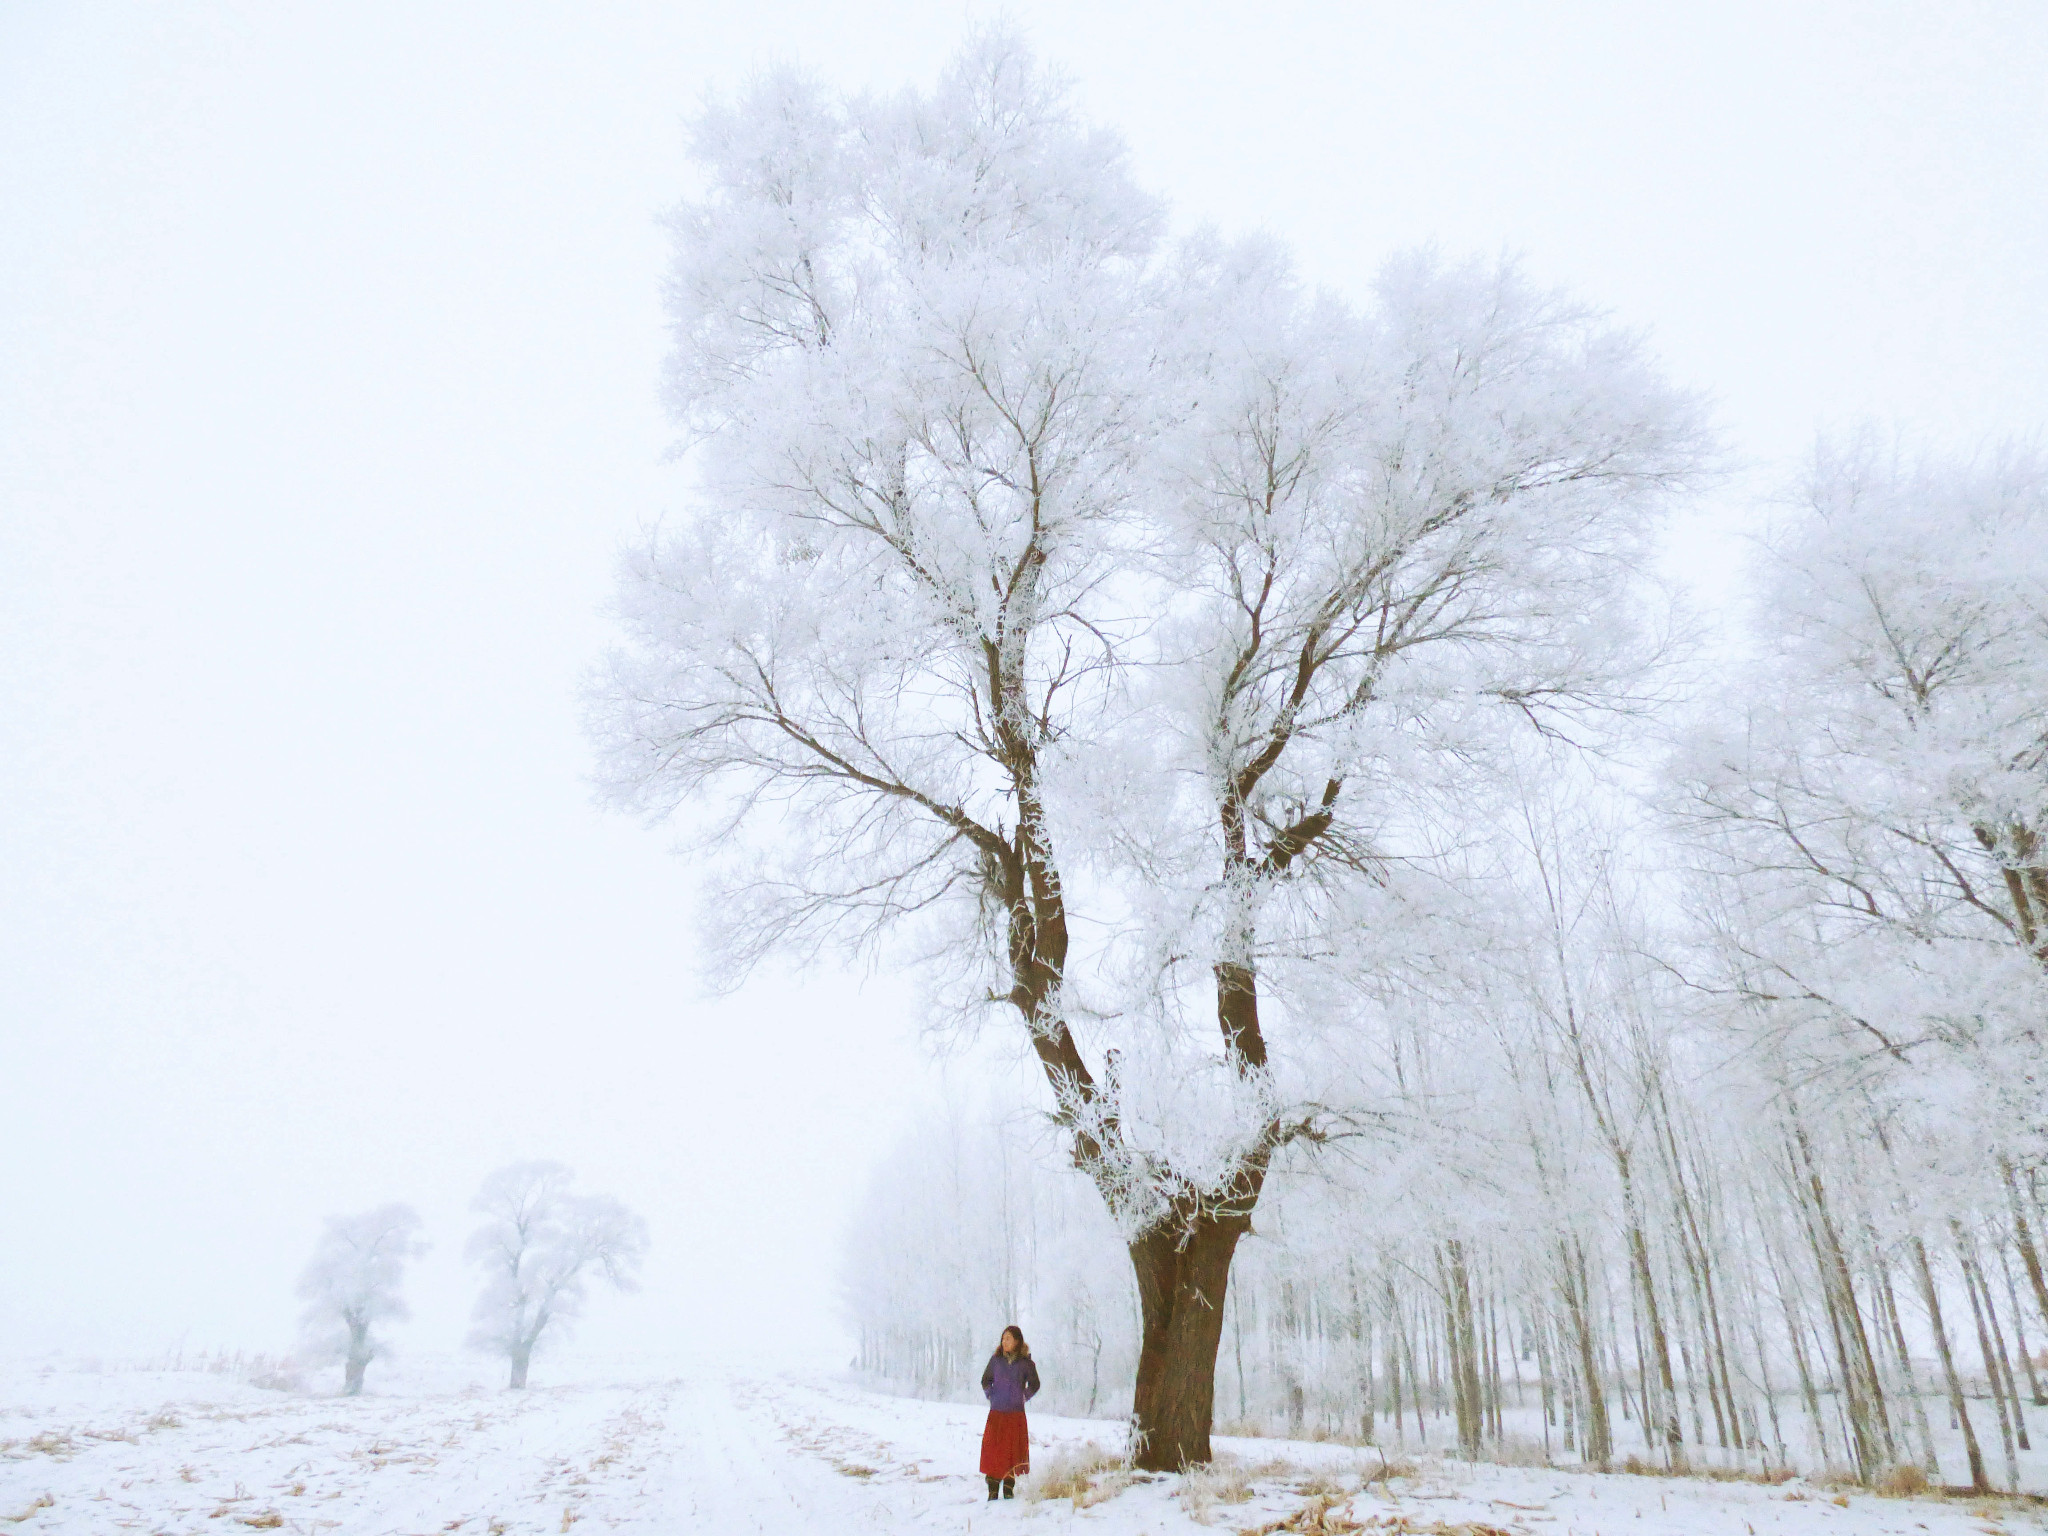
(1022, 1347)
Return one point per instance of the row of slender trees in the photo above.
(538, 1245)
(1738, 1282)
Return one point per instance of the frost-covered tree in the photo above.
(1091, 614)
(538, 1246)
(1870, 830)
(1882, 804)
(352, 1284)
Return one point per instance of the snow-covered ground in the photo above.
(732, 1449)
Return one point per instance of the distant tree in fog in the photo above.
(538, 1244)
(352, 1283)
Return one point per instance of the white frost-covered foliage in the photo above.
(538, 1246)
(1195, 670)
(1711, 1130)
(1109, 622)
(1878, 812)
(353, 1283)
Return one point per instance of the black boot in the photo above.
(1009, 1487)
(991, 1487)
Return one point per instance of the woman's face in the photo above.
(1010, 1341)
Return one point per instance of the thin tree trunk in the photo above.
(2012, 1386)
(1997, 1385)
(1414, 1383)
(1461, 1346)
(1890, 1304)
(1930, 1297)
(1795, 1330)
(2030, 1257)
(1395, 1376)
(1660, 1348)
(1596, 1437)
(1770, 1397)
(2019, 1329)
(1862, 1391)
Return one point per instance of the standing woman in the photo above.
(1009, 1378)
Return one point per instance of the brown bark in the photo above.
(1889, 1306)
(1598, 1436)
(2030, 1256)
(2019, 1329)
(1870, 1424)
(1183, 1280)
(1991, 1373)
(1960, 1408)
(2012, 1386)
(1462, 1346)
(1660, 1347)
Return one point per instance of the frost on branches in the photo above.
(1874, 902)
(1109, 620)
(538, 1245)
(352, 1283)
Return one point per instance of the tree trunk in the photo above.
(1890, 1309)
(358, 1359)
(2012, 1386)
(1862, 1390)
(2029, 1255)
(1461, 1346)
(1991, 1372)
(1183, 1280)
(522, 1354)
(1596, 1436)
(2019, 1330)
(1931, 1298)
(1673, 1435)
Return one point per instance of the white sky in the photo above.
(329, 338)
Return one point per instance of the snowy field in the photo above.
(735, 1450)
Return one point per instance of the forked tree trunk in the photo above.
(1182, 1282)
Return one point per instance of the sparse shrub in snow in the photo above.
(351, 1285)
(1903, 1481)
(1083, 1477)
(1223, 1481)
(538, 1246)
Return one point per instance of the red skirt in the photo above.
(1005, 1445)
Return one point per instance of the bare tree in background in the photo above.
(538, 1247)
(353, 1283)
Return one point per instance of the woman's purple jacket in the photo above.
(1008, 1382)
